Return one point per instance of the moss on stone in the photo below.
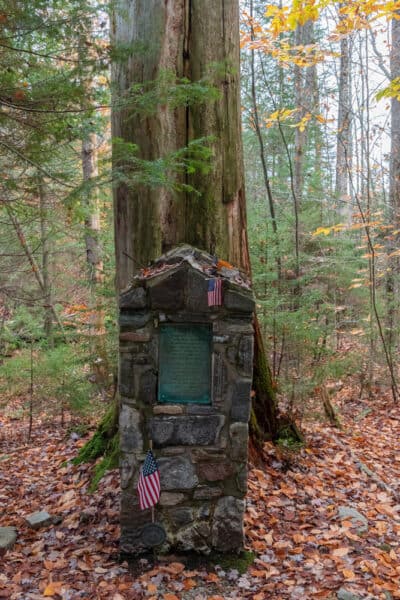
(103, 437)
(241, 562)
(105, 442)
(194, 560)
(110, 461)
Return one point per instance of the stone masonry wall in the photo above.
(201, 449)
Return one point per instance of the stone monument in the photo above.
(185, 383)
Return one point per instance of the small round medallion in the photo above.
(153, 535)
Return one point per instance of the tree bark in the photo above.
(94, 259)
(343, 144)
(304, 87)
(198, 40)
(47, 287)
(92, 219)
(394, 191)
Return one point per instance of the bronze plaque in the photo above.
(185, 364)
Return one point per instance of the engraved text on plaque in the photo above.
(185, 364)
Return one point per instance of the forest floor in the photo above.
(323, 522)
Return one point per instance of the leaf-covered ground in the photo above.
(301, 520)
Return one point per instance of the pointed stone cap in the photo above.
(178, 280)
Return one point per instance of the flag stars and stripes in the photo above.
(214, 292)
(149, 482)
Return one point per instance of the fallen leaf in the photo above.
(54, 587)
(386, 509)
(342, 551)
(223, 263)
(348, 574)
(83, 566)
(100, 570)
(381, 526)
(174, 568)
(257, 573)
(269, 538)
(257, 545)
(189, 584)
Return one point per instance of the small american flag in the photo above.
(149, 482)
(214, 293)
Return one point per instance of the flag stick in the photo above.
(152, 508)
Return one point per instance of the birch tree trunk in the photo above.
(305, 84)
(394, 191)
(343, 145)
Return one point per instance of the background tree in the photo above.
(343, 150)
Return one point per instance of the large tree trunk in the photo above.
(185, 37)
